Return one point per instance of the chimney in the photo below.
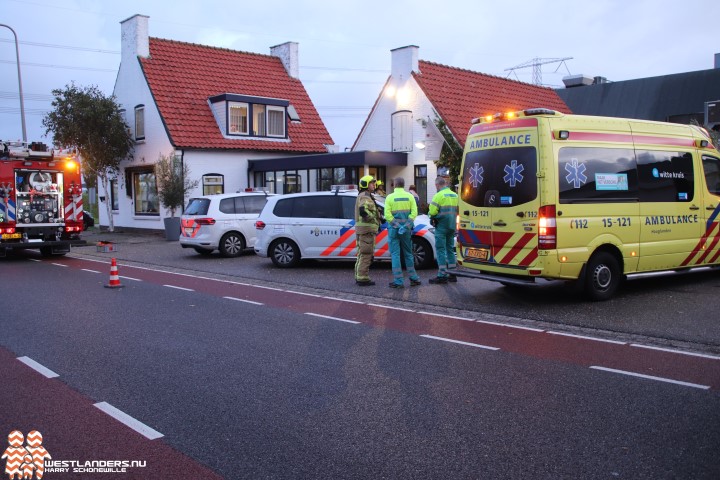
(288, 54)
(404, 61)
(135, 41)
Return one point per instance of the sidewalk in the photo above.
(123, 236)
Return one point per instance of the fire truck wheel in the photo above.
(232, 244)
(602, 276)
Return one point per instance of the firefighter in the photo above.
(367, 223)
(400, 211)
(443, 213)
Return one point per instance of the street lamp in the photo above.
(22, 103)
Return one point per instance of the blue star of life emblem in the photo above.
(476, 177)
(513, 173)
(576, 173)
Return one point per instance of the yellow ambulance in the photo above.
(545, 195)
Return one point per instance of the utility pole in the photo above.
(536, 64)
(22, 102)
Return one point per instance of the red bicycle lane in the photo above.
(645, 361)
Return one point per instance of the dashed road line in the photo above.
(392, 308)
(88, 270)
(130, 278)
(179, 288)
(124, 418)
(477, 345)
(650, 377)
(332, 318)
(692, 354)
(38, 367)
(584, 337)
(423, 312)
(243, 300)
(58, 264)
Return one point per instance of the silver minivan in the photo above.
(224, 222)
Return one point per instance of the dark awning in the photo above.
(329, 160)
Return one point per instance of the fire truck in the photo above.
(41, 203)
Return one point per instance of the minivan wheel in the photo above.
(232, 244)
(284, 253)
(602, 276)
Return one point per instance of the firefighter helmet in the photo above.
(366, 181)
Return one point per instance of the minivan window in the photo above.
(197, 206)
(589, 174)
(227, 205)
(254, 203)
(501, 177)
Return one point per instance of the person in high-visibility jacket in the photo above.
(400, 211)
(443, 216)
(367, 224)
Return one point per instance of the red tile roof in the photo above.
(460, 95)
(182, 76)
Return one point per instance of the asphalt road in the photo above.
(243, 380)
(677, 310)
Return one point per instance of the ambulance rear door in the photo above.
(500, 196)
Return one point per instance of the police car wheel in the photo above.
(602, 276)
(231, 244)
(284, 253)
(422, 253)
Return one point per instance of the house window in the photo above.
(145, 193)
(402, 131)
(140, 122)
(213, 183)
(238, 119)
(114, 201)
(275, 121)
(421, 183)
(259, 120)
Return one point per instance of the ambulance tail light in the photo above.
(259, 225)
(205, 221)
(547, 228)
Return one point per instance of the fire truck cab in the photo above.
(41, 204)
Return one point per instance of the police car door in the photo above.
(320, 226)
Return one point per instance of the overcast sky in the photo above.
(345, 44)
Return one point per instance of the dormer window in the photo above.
(247, 116)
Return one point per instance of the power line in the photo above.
(64, 67)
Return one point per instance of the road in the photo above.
(255, 380)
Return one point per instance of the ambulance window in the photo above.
(597, 175)
(665, 176)
(711, 166)
(501, 177)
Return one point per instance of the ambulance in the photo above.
(546, 195)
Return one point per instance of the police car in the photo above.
(321, 225)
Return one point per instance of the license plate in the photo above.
(479, 253)
(9, 236)
(188, 231)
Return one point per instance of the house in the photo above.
(212, 109)
(678, 98)
(418, 93)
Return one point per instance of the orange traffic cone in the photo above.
(114, 278)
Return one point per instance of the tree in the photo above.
(87, 120)
(451, 152)
(173, 180)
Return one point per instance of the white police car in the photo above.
(321, 225)
(224, 222)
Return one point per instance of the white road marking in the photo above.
(530, 329)
(129, 421)
(446, 316)
(88, 270)
(332, 318)
(563, 334)
(130, 278)
(38, 367)
(179, 288)
(58, 264)
(692, 354)
(477, 345)
(391, 308)
(243, 300)
(650, 377)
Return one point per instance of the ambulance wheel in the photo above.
(284, 253)
(422, 253)
(602, 276)
(232, 244)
